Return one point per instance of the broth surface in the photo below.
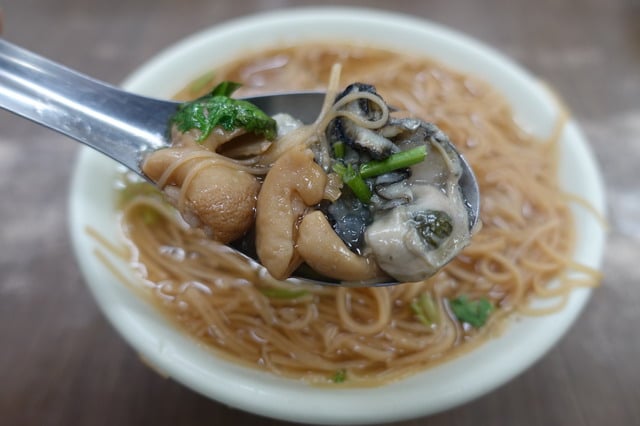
(372, 336)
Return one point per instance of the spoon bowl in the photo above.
(126, 126)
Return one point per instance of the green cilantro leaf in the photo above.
(340, 376)
(217, 109)
(474, 312)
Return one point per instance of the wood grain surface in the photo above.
(61, 363)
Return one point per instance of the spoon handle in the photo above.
(117, 123)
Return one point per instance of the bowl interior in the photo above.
(179, 356)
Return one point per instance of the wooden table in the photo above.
(62, 364)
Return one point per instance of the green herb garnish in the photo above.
(217, 109)
(396, 161)
(419, 313)
(340, 376)
(354, 181)
(283, 293)
(474, 312)
(338, 150)
(430, 308)
(426, 310)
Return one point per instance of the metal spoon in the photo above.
(125, 126)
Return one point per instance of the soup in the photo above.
(519, 262)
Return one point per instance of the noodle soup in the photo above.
(362, 337)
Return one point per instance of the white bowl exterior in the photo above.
(436, 389)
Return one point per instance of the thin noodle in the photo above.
(520, 257)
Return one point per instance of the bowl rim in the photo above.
(259, 392)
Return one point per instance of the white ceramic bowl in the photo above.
(455, 382)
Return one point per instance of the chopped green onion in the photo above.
(426, 310)
(354, 181)
(340, 376)
(396, 161)
(283, 293)
(419, 313)
(338, 150)
(474, 312)
(429, 307)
